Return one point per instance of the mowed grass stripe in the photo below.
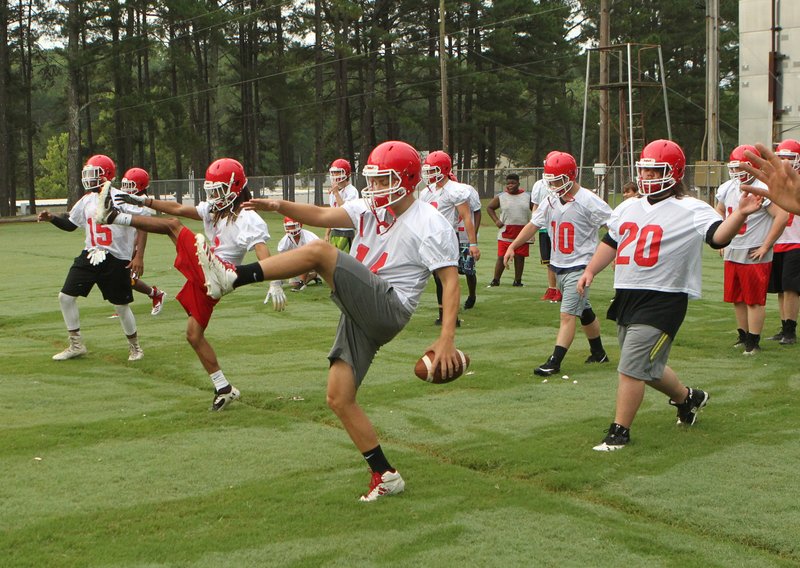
(498, 464)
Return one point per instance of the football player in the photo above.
(515, 212)
(748, 257)
(539, 193)
(296, 236)
(785, 276)
(111, 257)
(451, 199)
(341, 192)
(778, 175)
(232, 231)
(399, 242)
(572, 215)
(657, 242)
(466, 263)
(136, 181)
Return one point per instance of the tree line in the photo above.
(287, 86)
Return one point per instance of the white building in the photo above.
(769, 36)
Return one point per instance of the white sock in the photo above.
(219, 380)
(123, 219)
(126, 319)
(69, 309)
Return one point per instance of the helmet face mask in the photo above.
(225, 179)
(560, 173)
(292, 227)
(135, 181)
(665, 158)
(384, 187)
(338, 175)
(735, 163)
(789, 150)
(432, 174)
(98, 170)
(437, 167)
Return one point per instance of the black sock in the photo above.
(753, 339)
(376, 460)
(248, 274)
(596, 346)
(783, 326)
(441, 313)
(791, 328)
(742, 334)
(558, 354)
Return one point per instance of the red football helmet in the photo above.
(437, 167)
(340, 170)
(400, 162)
(291, 226)
(135, 180)
(737, 159)
(789, 149)
(665, 155)
(225, 179)
(560, 172)
(98, 170)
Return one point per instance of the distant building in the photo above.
(769, 70)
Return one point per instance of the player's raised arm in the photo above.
(303, 212)
(781, 178)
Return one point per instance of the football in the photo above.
(424, 371)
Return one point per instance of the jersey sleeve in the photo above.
(77, 214)
(283, 244)
(600, 212)
(460, 194)
(704, 216)
(439, 248)
(539, 217)
(613, 221)
(204, 210)
(355, 208)
(720, 194)
(252, 231)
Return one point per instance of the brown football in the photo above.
(424, 371)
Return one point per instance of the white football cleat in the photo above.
(76, 348)
(219, 277)
(158, 301)
(135, 352)
(223, 399)
(390, 483)
(105, 212)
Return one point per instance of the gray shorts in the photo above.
(644, 351)
(572, 302)
(372, 314)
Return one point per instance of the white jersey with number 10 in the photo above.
(659, 246)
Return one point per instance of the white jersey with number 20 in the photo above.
(419, 242)
(659, 246)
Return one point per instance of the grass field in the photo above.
(111, 463)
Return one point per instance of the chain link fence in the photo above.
(701, 181)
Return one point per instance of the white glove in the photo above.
(96, 256)
(277, 295)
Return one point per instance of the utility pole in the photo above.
(605, 33)
(443, 78)
(712, 79)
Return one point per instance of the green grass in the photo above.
(110, 463)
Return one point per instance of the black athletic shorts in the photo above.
(785, 273)
(111, 276)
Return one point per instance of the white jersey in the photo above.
(419, 242)
(118, 240)
(288, 242)
(348, 193)
(659, 246)
(446, 198)
(474, 203)
(754, 231)
(791, 234)
(539, 192)
(231, 239)
(572, 227)
(514, 210)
